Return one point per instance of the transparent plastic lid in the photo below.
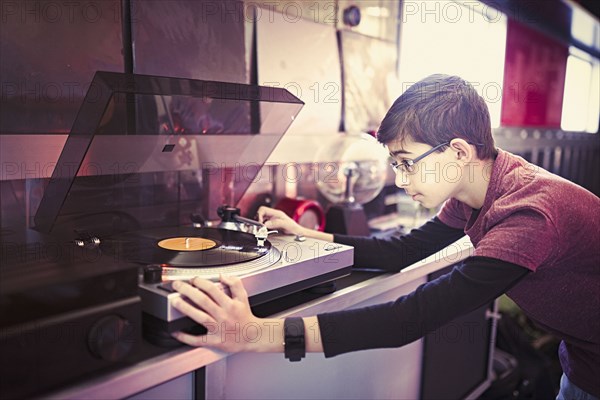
(134, 129)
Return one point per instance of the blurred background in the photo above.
(534, 61)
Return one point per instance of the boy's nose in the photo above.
(401, 180)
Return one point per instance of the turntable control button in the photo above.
(152, 273)
(300, 238)
(111, 338)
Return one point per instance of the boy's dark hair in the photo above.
(438, 109)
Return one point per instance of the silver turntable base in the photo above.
(290, 266)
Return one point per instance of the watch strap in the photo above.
(294, 342)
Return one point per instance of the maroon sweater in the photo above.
(531, 220)
(550, 226)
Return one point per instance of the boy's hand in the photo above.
(277, 219)
(229, 321)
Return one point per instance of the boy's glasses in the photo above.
(408, 166)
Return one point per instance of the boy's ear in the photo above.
(463, 150)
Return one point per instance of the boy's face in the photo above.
(434, 179)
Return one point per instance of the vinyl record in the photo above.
(186, 247)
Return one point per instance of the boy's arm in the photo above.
(470, 285)
(391, 254)
(475, 282)
(395, 253)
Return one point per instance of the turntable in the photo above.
(270, 269)
(112, 228)
(270, 266)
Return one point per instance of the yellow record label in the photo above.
(187, 244)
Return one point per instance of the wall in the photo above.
(48, 55)
(50, 50)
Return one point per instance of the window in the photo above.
(581, 103)
(464, 38)
(584, 27)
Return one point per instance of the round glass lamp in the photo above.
(354, 172)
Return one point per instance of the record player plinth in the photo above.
(292, 266)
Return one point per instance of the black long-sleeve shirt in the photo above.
(396, 252)
(472, 283)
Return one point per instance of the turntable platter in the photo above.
(187, 247)
(187, 244)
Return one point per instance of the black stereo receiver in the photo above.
(65, 312)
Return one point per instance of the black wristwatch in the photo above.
(293, 339)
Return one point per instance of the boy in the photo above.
(535, 236)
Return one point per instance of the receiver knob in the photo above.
(111, 338)
(152, 273)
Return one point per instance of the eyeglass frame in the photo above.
(409, 163)
(404, 165)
